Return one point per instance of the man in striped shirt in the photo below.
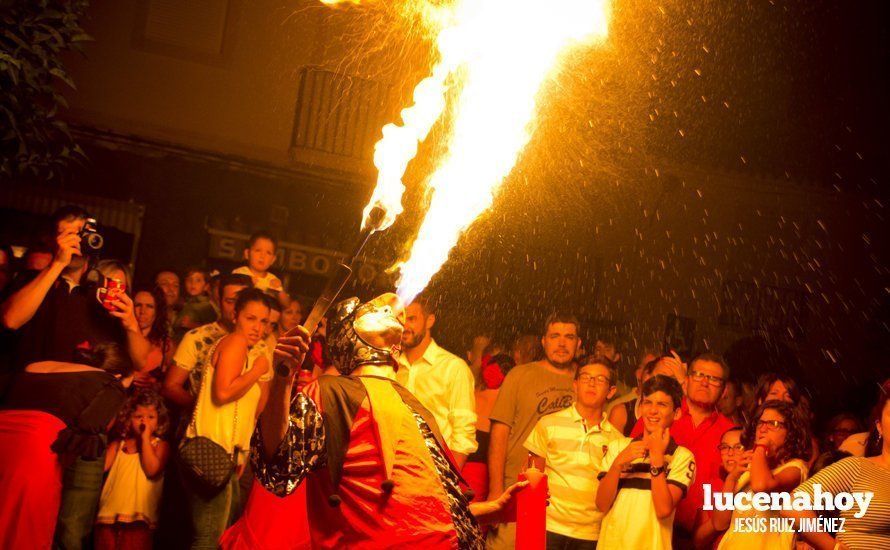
(569, 445)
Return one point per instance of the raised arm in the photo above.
(21, 306)
(229, 383)
(762, 478)
(665, 496)
(138, 345)
(720, 519)
(497, 456)
(152, 458)
(300, 451)
(288, 357)
(608, 488)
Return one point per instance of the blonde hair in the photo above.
(107, 267)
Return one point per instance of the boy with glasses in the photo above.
(569, 445)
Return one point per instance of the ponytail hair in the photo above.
(107, 356)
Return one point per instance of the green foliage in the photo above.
(34, 141)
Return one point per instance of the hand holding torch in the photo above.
(339, 278)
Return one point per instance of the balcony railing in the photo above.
(338, 119)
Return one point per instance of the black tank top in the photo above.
(85, 401)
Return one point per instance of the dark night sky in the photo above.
(807, 81)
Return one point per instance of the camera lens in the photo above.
(95, 241)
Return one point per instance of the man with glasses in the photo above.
(699, 429)
(570, 445)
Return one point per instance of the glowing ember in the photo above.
(498, 52)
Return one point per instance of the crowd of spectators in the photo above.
(103, 383)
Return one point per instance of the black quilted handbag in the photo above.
(204, 462)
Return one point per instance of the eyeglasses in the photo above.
(699, 376)
(724, 448)
(771, 425)
(599, 379)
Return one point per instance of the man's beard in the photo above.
(562, 364)
(410, 342)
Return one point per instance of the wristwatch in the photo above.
(282, 370)
(656, 470)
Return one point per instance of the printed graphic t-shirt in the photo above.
(529, 392)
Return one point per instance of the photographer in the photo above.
(54, 312)
(57, 312)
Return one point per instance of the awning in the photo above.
(44, 200)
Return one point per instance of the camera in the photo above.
(91, 241)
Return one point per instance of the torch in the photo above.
(342, 273)
(531, 511)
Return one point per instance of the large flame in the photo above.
(498, 52)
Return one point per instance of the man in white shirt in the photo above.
(441, 381)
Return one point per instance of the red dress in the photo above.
(45, 416)
(30, 478)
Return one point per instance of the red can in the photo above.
(108, 293)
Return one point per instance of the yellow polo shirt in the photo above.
(573, 452)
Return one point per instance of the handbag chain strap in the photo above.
(194, 422)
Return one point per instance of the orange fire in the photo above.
(495, 54)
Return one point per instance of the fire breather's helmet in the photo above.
(367, 333)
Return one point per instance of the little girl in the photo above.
(128, 507)
(779, 439)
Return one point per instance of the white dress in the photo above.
(128, 495)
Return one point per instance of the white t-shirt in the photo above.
(632, 521)
(264, 283)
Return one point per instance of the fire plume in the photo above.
(495, 54)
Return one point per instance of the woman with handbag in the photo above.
(233, 392)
